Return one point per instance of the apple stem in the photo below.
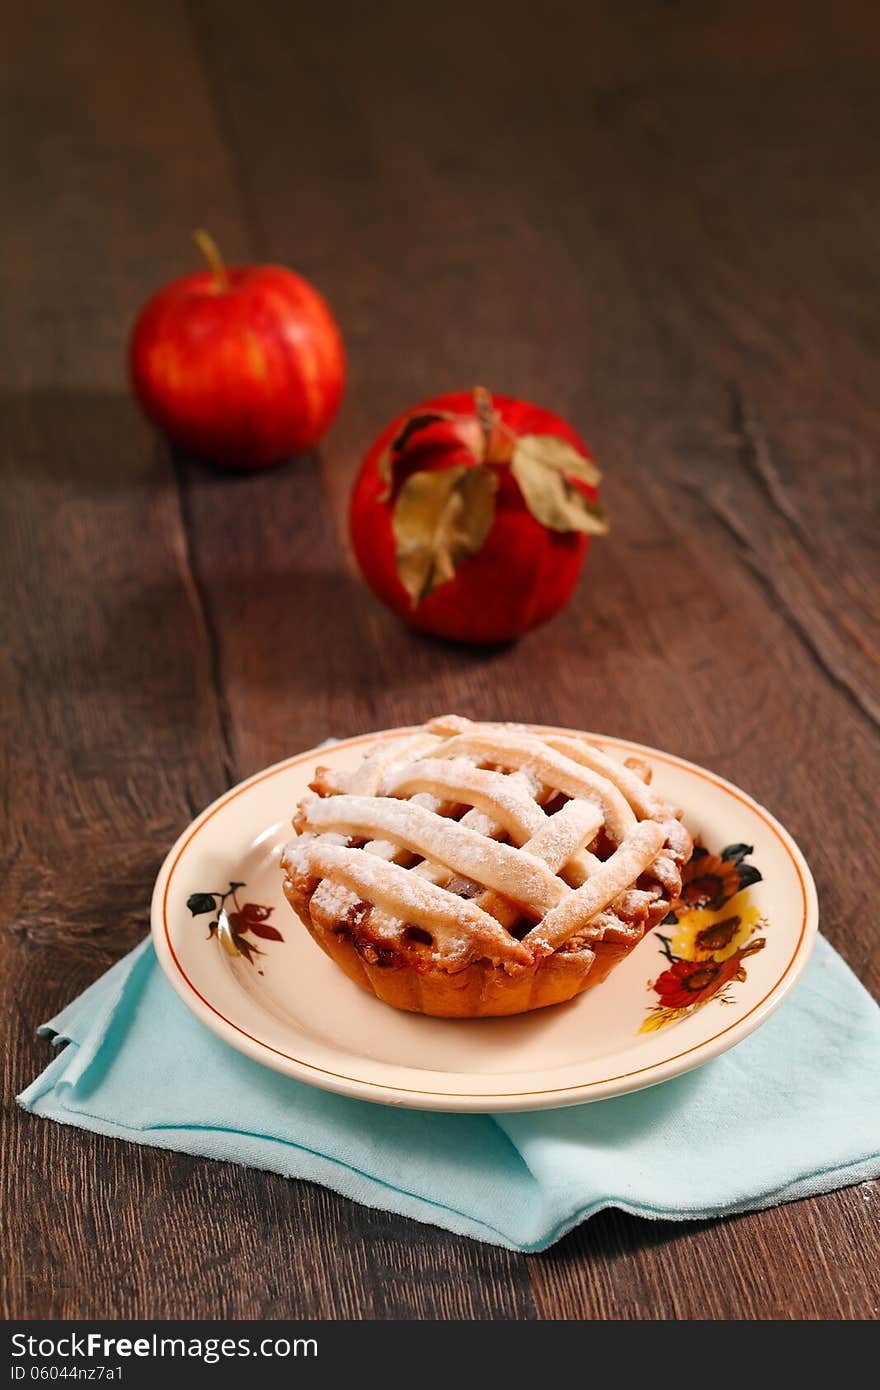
(485, 411)
(209, 249)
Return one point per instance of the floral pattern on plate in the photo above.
(232, 925)
(712, 929)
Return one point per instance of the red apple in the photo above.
(241, 365)
(471, 516)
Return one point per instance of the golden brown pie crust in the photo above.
(487, 954)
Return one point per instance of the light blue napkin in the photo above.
(792, 1111)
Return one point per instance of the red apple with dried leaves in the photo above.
(242, 365)
(471, 515)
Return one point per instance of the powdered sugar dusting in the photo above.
(458, 828)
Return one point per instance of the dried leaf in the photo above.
(540, 463)
(552, 452)
(441, 517)
(410, 426)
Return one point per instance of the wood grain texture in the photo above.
(660, 221)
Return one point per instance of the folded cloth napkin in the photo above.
(792, 1111)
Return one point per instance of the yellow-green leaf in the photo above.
(441, 517)
(540, 463)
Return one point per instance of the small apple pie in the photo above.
(466, 870)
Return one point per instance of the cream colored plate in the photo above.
(671, 1005)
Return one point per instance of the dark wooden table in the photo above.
(662, 220)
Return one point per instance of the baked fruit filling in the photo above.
(472, 869)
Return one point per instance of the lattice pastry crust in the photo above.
(472, 869)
